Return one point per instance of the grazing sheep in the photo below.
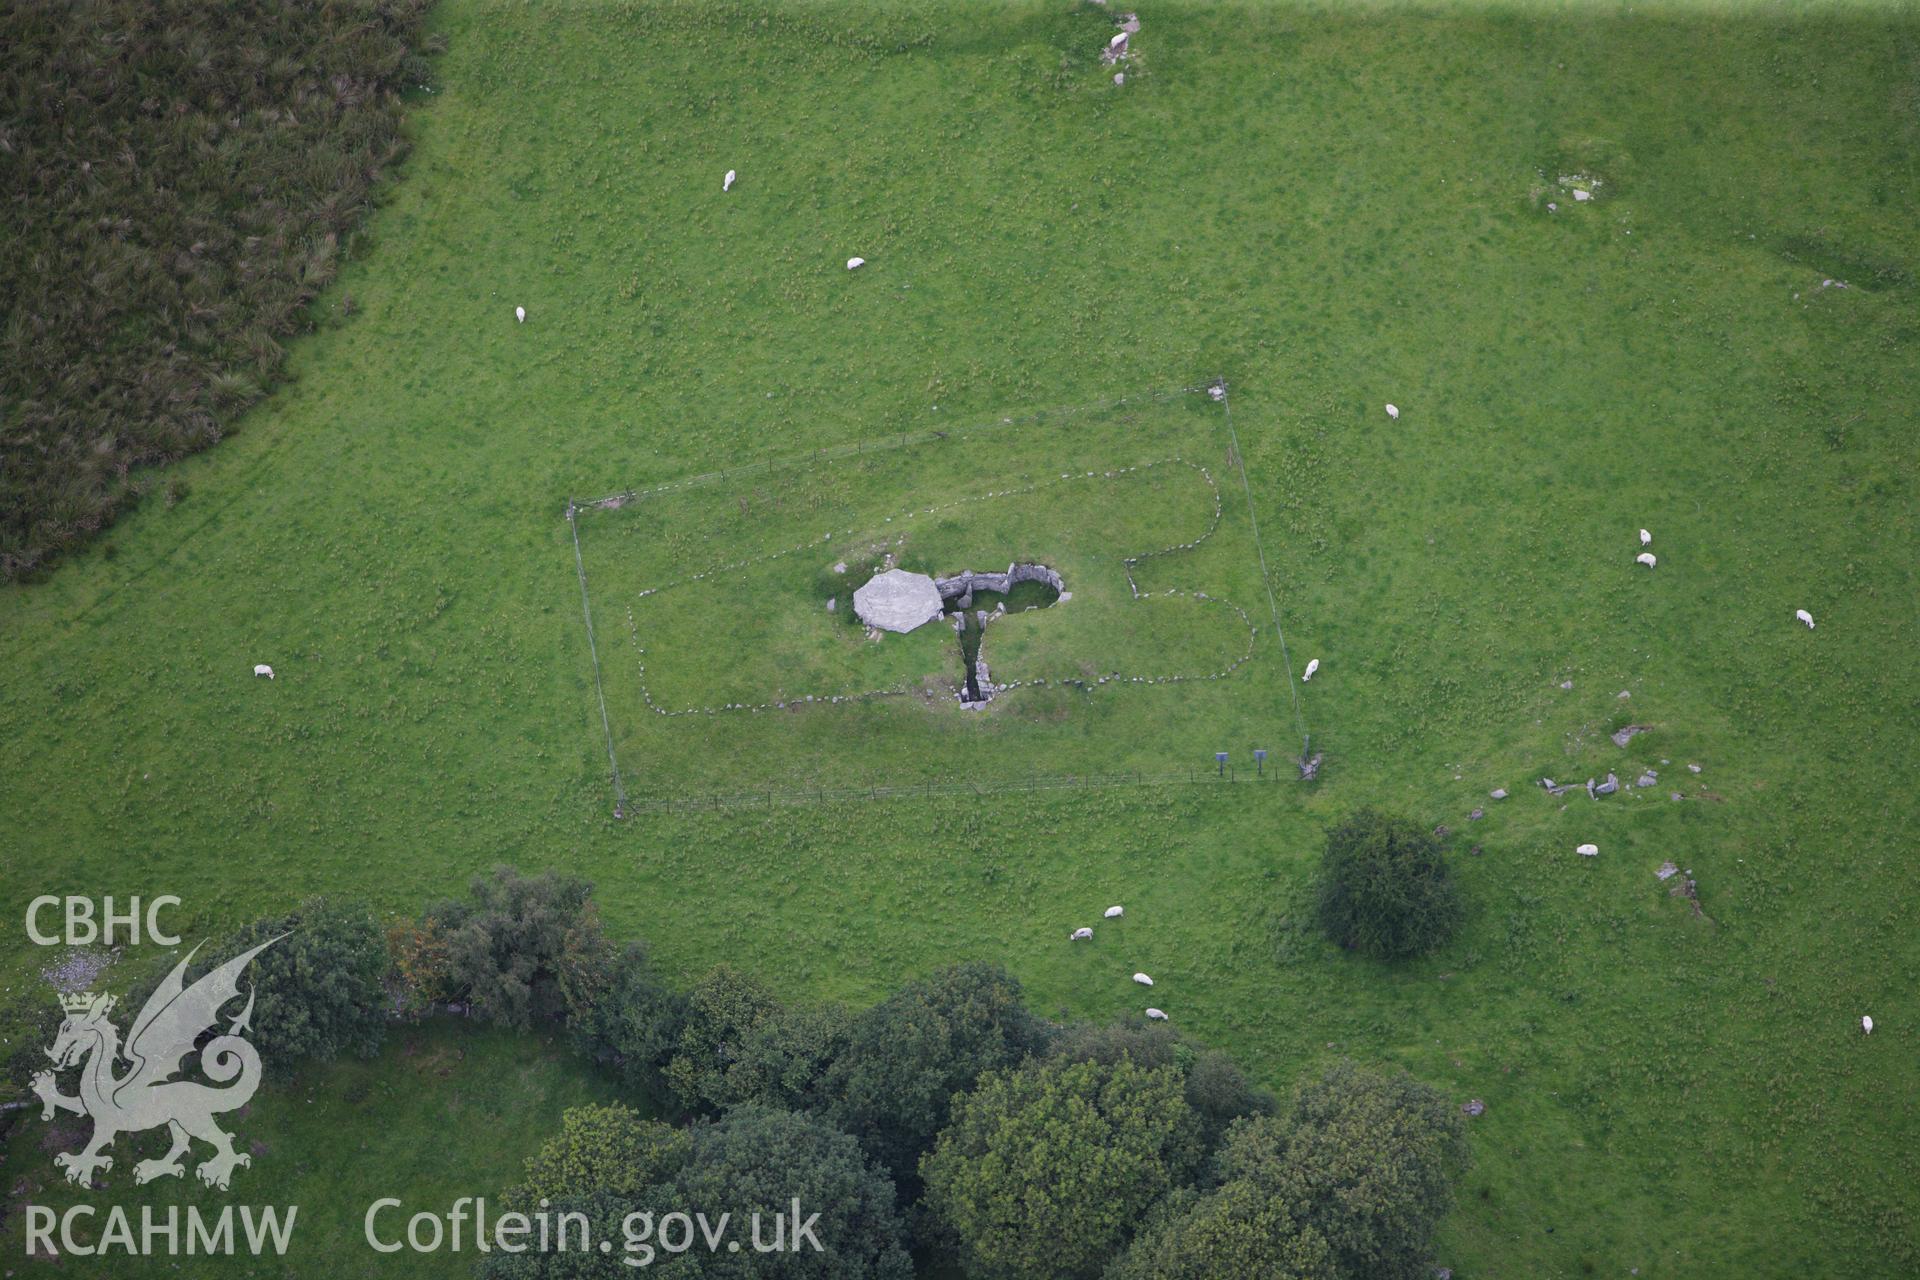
(1308, 673)
(1866, 1023)
(726, 183)
(1646, 558)
(1143, 979)
(262, 669)
(1393, 411)
(1588, 850)
(1114, 913)
(520, 314)
(854, 264)
(1645, 537)
(1157, 1015)
(1805, 617)
(1081, 935)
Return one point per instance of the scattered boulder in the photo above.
(1498, 793)
(1693, 768)
(1474, 1107)
(1607, 788)
(1646, 779)
(1667, 871)
(1622, 736)
(1310, 767)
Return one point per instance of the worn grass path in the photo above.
(1333, 209)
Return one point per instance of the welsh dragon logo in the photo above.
(146, 1095)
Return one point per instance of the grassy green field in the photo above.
(443, 1111)
(726, 670)
(1332, 208)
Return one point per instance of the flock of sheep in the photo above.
(1084, 934)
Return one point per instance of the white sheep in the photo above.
(1143, 979)
(1114, 913)
(1393, 411)
(1647, 558)
(726, 183)
(1081, 935)
(262, 669)
(1308, 673)
(1645, 537)
(1805, 617)
(1866, 1023)
(854, 264)
(1588, 850)
(520, 314)
(1157, 1015)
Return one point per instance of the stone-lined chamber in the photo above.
(901, 601)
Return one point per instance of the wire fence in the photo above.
(1274, 773)
(768, 797)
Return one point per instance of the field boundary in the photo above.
(1266, 579)
(593, 649)
(768, 797)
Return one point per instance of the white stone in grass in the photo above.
(520, 314)
(1393, 411)
(1588, 850)
(262, 669)
(854, 264)
(726, 183)
(1157, 1015)
(1143, 979)
(1114, 913)
(1581, 196)
(1805, 617)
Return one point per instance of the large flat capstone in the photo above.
(897, 601)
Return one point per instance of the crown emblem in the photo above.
(77, 1001)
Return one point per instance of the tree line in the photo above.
(947, 1122)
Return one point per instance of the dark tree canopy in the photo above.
(761, 1159)
(725, 1010)
(603, 1149)
(1348, 1183)
(1214, 1086)
(907, 1056)
(1369, 1159)
(632, 1022)
(1047, 1169)
(1240, 1228)
(318, 991)
(1385, 889)
(509, 942)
